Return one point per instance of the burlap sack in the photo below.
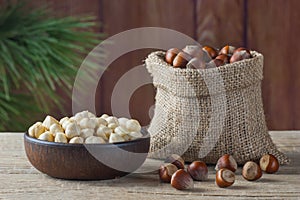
(203, 114)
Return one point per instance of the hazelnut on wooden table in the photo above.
(198, 170)
(175, 160)
(225, 178)
(269, 163)
(251, 171)
(181, 180)
(166, 171)
(226, 161)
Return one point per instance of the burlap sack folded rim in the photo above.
(237, 76)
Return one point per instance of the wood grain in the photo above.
(272, 28)
(19, 180)
(123, 15)
(219, 22)
(273, 31)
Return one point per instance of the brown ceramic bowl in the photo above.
(87, 161)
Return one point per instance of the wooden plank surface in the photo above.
(19, 180)
(219, 22)
(123, 15)
(274, 29)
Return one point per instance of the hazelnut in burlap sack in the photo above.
(203, 114)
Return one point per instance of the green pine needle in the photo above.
(39, 53)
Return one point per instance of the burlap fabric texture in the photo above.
(203, 114)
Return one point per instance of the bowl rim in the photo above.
(146, 136)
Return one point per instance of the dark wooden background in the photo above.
(271, 27)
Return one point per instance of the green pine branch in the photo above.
(38, 53)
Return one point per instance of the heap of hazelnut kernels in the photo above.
(195, 57)
(85, 127)
(173, 171)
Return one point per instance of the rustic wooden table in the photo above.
(19, 180)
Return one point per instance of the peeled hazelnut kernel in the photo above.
(55, 128)
(175, 160)
(135, 135)
(122, 121)
(166, 171)
(223, 57)
(104, 116)
(181, 180)
(198, 170)
(60, 137)
(251, 171)
(211, 51)
(47, 136)
(112, 126)
(76, 140)
(226, 161)
(126, 137)
(81, 115)
(94, 139)
(91, 115)
(63, 120)
(48, 121)
(66, 122)
(239, 55)
(227, 50)
(87, 123)
(269, 163)
(133, 125)
(225, 178)
(121, 131)
(115, 138)
(196, 63)
(86, 132)
(100, 121)
(72, 130)
(171, 54)
(181, 60)
(112, 120)
(103, 132)
(36, 130)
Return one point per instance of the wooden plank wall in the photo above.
(269, 26)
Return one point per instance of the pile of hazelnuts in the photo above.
(195, 57)
(173, 171)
